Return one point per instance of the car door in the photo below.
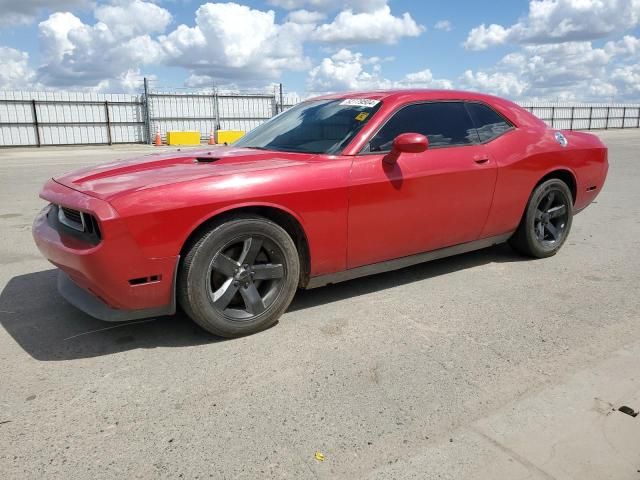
(424, 201)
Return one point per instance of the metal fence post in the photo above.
(624, 116)
(147, 114)
(590, 117)
(281, 100)
(35, 121)
(106, 111)
(553, 116)
(571, 123)
(606, 125)
(274, 104)
(216, 104)
(638, 119)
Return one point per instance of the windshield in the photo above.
(317, 126)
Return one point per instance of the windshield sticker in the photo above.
(361, 117)
(360, 102)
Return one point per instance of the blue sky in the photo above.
(538, 49)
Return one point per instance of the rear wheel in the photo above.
(239, 277)
(546, 222)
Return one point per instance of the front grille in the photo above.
(73, 215)
(71, 218)
(80, 224)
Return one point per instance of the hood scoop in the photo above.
(206, 159)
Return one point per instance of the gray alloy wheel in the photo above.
(239, 277)
(245, 276)
(546, 222)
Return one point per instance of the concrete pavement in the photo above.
(485, 365)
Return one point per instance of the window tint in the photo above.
(444, 124)
(316, 126)
(488, 123)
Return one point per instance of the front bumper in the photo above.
(104, 279)
(90, 304)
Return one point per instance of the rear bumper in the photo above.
(105, 280)
(591, 181)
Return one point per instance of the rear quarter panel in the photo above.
(526, 155)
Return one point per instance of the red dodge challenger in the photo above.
(335, 188)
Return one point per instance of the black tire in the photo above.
(546, 222)
(239, 277)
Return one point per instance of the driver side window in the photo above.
(445, 124)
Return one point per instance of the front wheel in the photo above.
(239, 277)
(546, 222)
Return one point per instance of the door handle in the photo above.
(481, 159)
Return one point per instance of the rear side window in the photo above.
(488, 122)
(445, 124)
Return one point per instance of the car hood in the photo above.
(114, 179)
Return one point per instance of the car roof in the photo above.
(413, 95)
(392, 98)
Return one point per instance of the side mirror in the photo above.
(407, 143)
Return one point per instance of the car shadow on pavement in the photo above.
(361, 286)
(50, 329)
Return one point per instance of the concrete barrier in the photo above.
(183, 138)
(229, 136)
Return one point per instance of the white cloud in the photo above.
(374, 26)
(444, 25)
(347, 70)
(54, 35)
(554, 21)
(506, 84)
(79, 55)
(330, 5)
(628, 46)
(598, 89)
(232, 41)
(199, 81)
(304, 17)
(423, 79)
(483, 37)
(629, 79)
(556, 59)
(24, 12)
(129, 81)
(233, 44)
(15, 73)
(566, 71)
(343, 71)
(129, 18)
(228, 42)
(563, 61)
